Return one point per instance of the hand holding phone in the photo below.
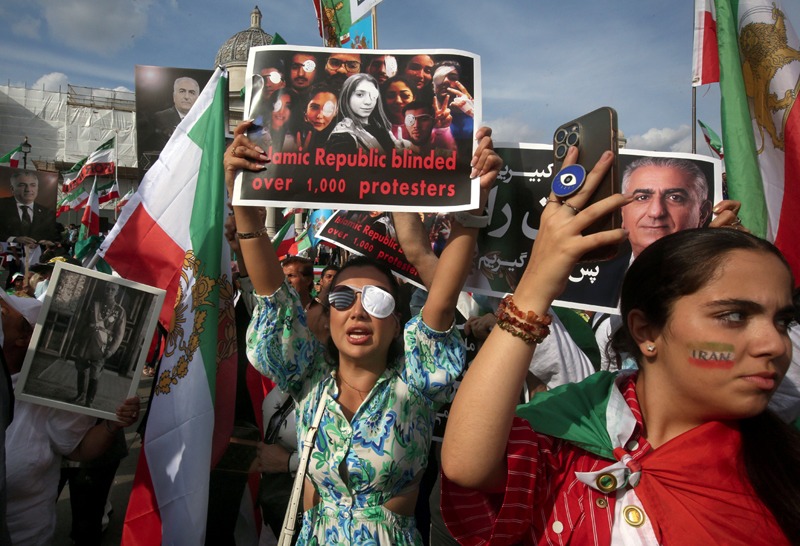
(593, 134)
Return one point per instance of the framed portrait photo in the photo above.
(90, 342)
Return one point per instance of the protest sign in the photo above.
(515, 206)
(355, 130)
(372, 234)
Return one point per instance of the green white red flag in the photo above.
(90, 222)
(284, 239)
(705, 59)
(759, 56)
(72, 201)
(109, 191)
(124, 200)
(12, 158)
(101, 162)
(712, 139)
(170, 235)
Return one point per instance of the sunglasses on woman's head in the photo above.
(375, 300)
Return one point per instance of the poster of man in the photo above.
(27, 206)
(673, 192)
(90, 342)
(362, 130)
(163, 98)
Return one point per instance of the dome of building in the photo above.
(234, 51)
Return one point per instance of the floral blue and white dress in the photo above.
(358, 465)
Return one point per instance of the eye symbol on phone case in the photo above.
(568, 180)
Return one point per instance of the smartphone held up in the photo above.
(593, 134)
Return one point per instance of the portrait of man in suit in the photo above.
(23, 220)
(184, 95)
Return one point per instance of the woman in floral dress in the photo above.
(380, 391)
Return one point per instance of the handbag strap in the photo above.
(290, 519)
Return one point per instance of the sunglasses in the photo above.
(376, 301)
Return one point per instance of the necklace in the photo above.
(362, 394)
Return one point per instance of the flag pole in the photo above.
(694, 119)
(374, 27)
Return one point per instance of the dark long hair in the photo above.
(679, 265)
(396, 348)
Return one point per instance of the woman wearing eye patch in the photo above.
(377, 382)
(363, 124)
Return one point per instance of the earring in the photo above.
(650, 348)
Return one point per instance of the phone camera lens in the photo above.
(561, 134)
(572, 139)
(561, 151)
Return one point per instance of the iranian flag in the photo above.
(72, 201)
(284, 239)
(101, 162)
(712, 139)
(170, 235)
(759, 56)
(108, 192)
(705, 60)
(90, 223)
(124, 201)
(11, 159)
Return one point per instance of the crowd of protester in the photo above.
(659, 427)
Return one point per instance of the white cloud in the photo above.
(663, 140)
(27, 27)
(54, 81)
(99, 26)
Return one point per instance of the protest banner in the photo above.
(340, 130)
(372, 234)
(515, 206)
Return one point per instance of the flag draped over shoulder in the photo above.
(170, 235)
(759, 56)
(101, 162)
(705, 60)
(11, 159)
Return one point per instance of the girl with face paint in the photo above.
(682, 451)
(376, 385)
(362, 120)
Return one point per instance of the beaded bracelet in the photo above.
(529, 327)
(251, 234)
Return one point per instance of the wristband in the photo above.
(470, 220)
(252, 234)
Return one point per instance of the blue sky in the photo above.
(544, 62)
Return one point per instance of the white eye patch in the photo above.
(391, 65)
(329, 108)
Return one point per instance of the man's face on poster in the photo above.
(665, 201)
(184, 94)
(382, 67)
(341, 65)
(302, 71)
(419, 123)
(25, 188)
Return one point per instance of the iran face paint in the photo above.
(711, 355)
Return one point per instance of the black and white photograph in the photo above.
(90, 342)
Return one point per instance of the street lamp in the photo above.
(25, 147)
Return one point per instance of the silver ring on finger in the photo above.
(737, 222)
(556, 201)
(576, 210)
